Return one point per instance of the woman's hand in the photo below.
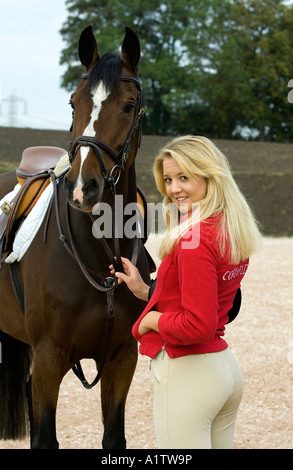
(132, 279)
(140, 289)
(149, 322)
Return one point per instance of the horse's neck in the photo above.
(128, 190)
(81, 224)
(127, 185)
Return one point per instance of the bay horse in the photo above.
(69, 297)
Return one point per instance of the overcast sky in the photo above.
(30, 74)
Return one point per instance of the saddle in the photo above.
(33, 178)
(32, 175)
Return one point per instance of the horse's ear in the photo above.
(131, 50)
(87, 47)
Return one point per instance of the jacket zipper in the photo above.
(163, 354)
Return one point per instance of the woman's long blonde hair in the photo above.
(198, 156)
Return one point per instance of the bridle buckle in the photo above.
(115, 174)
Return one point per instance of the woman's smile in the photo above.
(181, 190)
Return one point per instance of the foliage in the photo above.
(207, 66)
(252, 68)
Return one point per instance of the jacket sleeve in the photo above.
(197, 320)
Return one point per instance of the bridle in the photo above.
(97, 145)
(111, 178)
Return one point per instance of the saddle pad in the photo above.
(29, 228)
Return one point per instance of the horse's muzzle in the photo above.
(83, 196)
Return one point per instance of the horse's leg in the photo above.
(115, 382)
(30, 408)
(46, 379)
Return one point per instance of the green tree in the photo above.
(245, 84)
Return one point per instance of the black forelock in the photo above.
(108, 68)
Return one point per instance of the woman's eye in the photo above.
(128, 108)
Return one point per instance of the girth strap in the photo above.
(17, 284)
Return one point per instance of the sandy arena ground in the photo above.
(261, 338)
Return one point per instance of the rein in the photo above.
(107, 284)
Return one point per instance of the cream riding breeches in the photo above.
(196, 399)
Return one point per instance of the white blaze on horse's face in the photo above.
(99, 94)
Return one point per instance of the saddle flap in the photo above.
(37, 160)
(26, 198)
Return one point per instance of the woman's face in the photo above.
(182, 191)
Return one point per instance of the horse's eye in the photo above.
(128, 108)
(71, 104)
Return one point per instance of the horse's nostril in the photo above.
(91, 188)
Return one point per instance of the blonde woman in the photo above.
(198, 383)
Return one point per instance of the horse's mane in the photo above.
(108, 69)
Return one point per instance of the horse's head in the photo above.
(107, 113)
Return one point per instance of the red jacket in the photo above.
(195, 289)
